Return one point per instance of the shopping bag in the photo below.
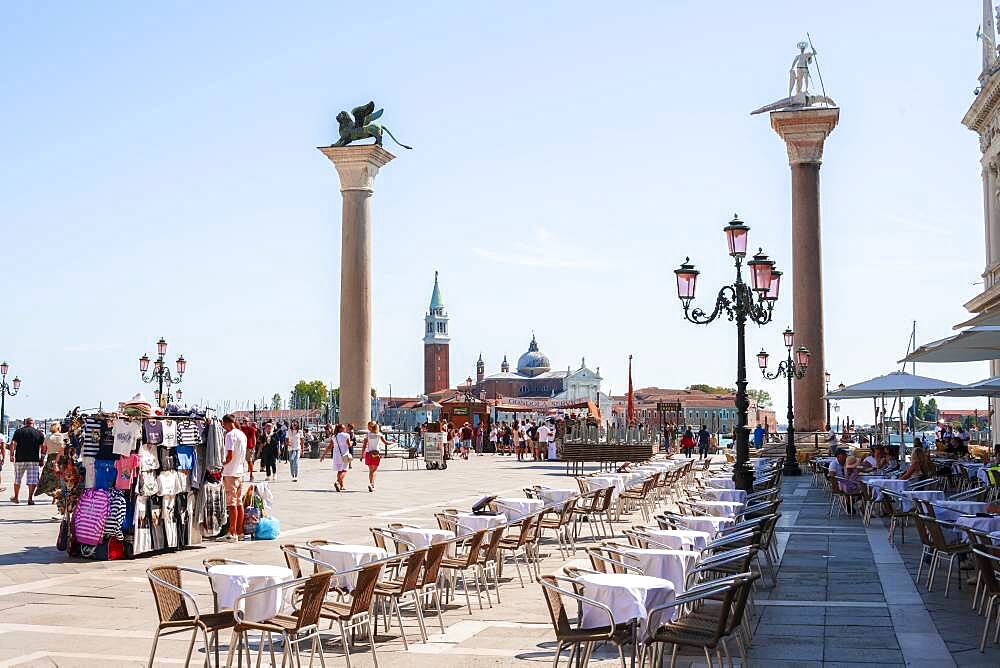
(268, 528)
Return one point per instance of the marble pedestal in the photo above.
(357, 167)
(804, 132)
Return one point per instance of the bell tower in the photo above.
(436, 340)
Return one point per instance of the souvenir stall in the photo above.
(138, 480)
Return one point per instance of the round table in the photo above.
(718, 494)
(891, 484)
(906, 503)
(722, 508)
(680, 539)
(707, 523)
(348, 557)
(230, 581)
(596, 482)
(517, 507)
(629, 597)
(948, 511)
(720, 483)
(672, 565)
(426, 537)
(557, 495)
(470, 523)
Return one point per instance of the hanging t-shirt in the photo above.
(126, 434)
(169, 434)
(91, 436)
(187, 433)
(154, 431)
(106, 449)
(149, 459)
(185, 457)
(127, 468)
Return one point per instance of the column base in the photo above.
(791, 468)
(743, 478)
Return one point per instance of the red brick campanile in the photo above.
(436, 343)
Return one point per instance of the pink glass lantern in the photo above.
(144, 363)
(736, 236)
(772, 292)
(789, 336)
(802, 356)
(17, 383)
(760, 272)
(181, 365)
(762, 359)
(687, 278)
(161, 346)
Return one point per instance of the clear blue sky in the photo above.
(161, 179)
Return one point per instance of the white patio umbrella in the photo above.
(983, 388)
(974, 344)
(897, 384)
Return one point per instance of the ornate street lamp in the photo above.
(161, 373)
(740, 302)
(6, 390)
(790, 369)
(826, 377)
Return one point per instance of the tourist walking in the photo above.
(532, 433)
(340, 453)
(466, 434)
(494, 438)
(704, 442)
(515, 437)
(269, 451)
(542, 443)
(372, 455)
(249, 430)
(758, 436)
(25, 452)
(294, 444)
(351, 442)
(232, 475)
(687, 442)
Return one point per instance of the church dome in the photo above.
(533, 362)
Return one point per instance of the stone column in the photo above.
(804, 132)
(357, 167)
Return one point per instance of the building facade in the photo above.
(534, 377)
(436, 343)
(983, 118)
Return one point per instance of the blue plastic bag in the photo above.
(268, 528)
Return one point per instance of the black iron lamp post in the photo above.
(6, 390)
(826, 377)
(739, 302)
(161, 372)
(790, 369)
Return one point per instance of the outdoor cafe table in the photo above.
(717, 494)
(891, 484)
(681, 539)
(230, 581)
(557, 495)
(348, 557)
(516, 508)
(595, 482)
(721, 508)
(720, 483)
(426, 537)
(707, 523)
(470, 522)
(672, 565)
(905, 498)
(628, 596)
(948, 511)
(989, 524)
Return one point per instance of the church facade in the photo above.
(534, 378)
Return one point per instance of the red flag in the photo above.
(630, 407)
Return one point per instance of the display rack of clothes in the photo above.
(133, 482)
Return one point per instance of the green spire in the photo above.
(436, 301)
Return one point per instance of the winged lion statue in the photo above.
(363, 126)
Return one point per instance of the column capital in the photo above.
(805, 131)
(357, 165)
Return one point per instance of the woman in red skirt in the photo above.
(372, 455)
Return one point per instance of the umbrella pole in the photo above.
(902, 432)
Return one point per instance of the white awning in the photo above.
(897, 383)
(974, 344)
(983, 388)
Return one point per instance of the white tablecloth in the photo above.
(985, 524)
(707, 523)
(681, 539)
(515, 508)
(717, 494)
(469, 523)
(931, 495)
(596, 482)
(629, 597)
(557, 495)
(891, 484)
(230, 581)
(672, 565)
(424, 537)
(722, 508)
(348, 557)
(948, 511)
(720, 483)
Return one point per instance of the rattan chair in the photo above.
(569, 634)
(465, 563)
(175, 616)
(560, 523)
(358, 613)
(943, 550)
(520, 544)
(394, 592)
(428, 585)
(489, 562)
(300, 626)
(988, 564)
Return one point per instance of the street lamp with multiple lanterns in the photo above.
(6, 390)
(161, 372)
(792, 368)
(739, 302)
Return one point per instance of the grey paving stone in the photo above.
(789, 615)
(772, 630)
(790, 649)
(851, 654)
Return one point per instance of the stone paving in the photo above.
(844, 595)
